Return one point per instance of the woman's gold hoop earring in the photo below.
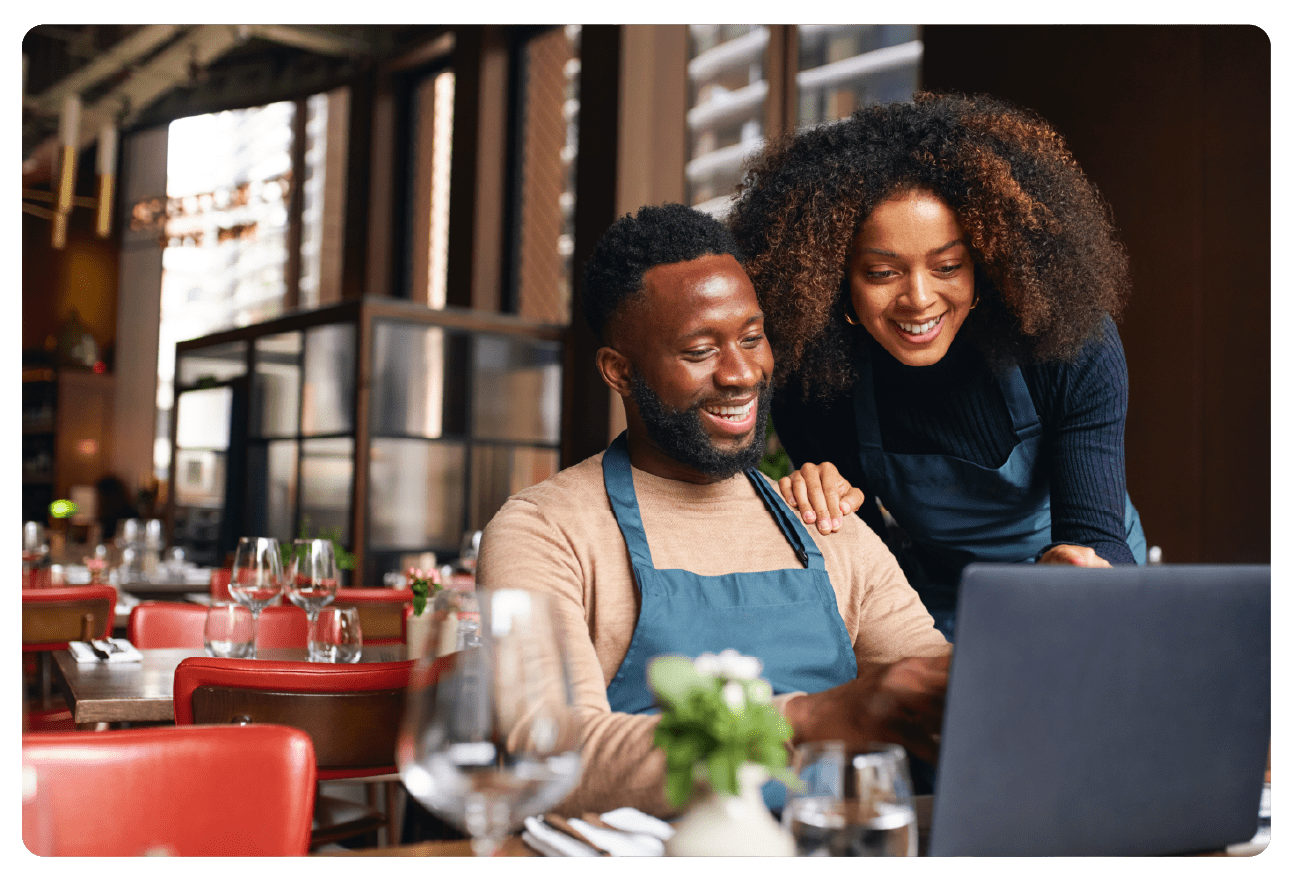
(848, 317)
(975, 302)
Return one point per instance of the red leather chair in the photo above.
(352, 712)
(37, 578)
(220, 585)
(381, 611)
(51, 618)
(217, 790)
(157, 625)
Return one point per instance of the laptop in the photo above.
(1109, 712)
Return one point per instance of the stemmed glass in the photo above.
(312, 583)
(257, 577)
(489, 734)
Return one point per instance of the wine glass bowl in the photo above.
(312, 582)
(490, 734)
(257, 576)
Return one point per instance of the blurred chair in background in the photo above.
(220, 585)
(51, 618)
(158, 625)
(352, 713)
(381, 611)
(225, 790)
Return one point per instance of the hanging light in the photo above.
(107, 175)
(69, 130)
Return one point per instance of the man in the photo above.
(667, 544)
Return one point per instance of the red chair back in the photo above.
(381, 611)
(156, 625)
(220, 585)
(223, 790)
(37, 578)
(352, 712)
(52, 616)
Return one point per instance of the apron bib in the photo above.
(787, 618)
(956, 512)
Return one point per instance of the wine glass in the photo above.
(257, 577)
(340, 638)
(489, 734)
(312, 582)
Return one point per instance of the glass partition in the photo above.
(452, 412)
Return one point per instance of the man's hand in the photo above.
(821, 495)
(1075, 555)
(898, 703)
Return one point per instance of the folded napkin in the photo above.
(119, 651)
(551, 843)
(635, 835)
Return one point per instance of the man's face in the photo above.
(701, 366)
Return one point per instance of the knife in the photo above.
(553, 821)
(98, 652)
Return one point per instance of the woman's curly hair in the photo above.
(1048, 263)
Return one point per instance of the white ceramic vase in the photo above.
(721, 825)
(417, 627)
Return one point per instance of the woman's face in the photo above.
(911, 278)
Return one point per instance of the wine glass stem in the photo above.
(312, 636)
(255, 628)
(484, 824)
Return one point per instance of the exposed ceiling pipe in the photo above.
(309, 38)
(123, 54)
(172, 67)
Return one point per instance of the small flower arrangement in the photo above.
(717, 715)
(424, 586)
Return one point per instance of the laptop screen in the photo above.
(1112, 712)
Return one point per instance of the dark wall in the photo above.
(81, 277)
(1173, 125)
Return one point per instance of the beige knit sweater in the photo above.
(561, 537)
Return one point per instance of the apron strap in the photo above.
(617, 474)
(805, 548)
(1023, 413)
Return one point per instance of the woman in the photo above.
(940, 281)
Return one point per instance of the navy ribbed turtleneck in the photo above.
(956, 408)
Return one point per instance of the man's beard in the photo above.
(680, 435)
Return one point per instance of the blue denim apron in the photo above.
(956, 512)
(787, 618)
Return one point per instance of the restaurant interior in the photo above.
(322, 283)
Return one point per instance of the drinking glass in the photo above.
(230, 631)
(489, 735)
(34, 549)
(340, 639)
(853, 803)
(312, 583)
(257, 577)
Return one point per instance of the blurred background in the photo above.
(324, 280)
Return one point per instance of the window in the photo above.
(432, 124)
(227, 227)
(746, 81)
(544, 202)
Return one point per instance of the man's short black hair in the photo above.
(657, 236)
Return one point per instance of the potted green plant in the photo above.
(425, 584)
(718, 728)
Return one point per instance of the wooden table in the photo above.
(141, 691)
(161, 590)
(512, 847)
